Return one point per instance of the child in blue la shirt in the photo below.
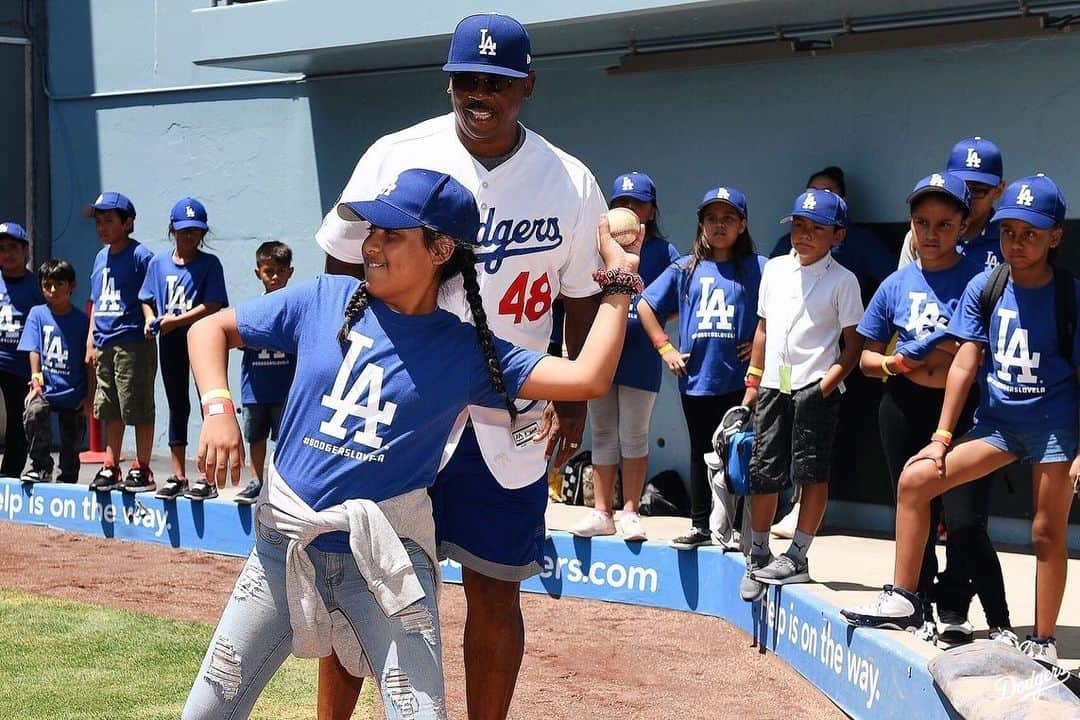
(1027, 411)
(181, 285)
(714, 292)
(978, 161)
(619, 421)
(265, 375)
(125, 361)
(916, 303)
(19, 291)
(55, 339)
(363, 434)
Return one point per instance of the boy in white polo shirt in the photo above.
(807, 303)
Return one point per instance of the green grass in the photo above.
(71, 661)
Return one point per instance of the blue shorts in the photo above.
(482, 525)
(1029, 446)
(261, 422)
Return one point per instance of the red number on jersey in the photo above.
(522, 299)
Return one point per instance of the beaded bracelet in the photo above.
(604, 278)
(619, 289)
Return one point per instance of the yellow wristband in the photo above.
(885, 366)
(755, 371)
(944, 433)
(220, 393)
(664, 348)
(38, 377)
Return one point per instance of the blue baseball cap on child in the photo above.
(820, 206)
(420, 198)
(490, 43)
(945, 183)
(728, 195)
(15, 231)
(110, 201)
(976, 159)
(1035, 200)
(188, 213)
(635, 185)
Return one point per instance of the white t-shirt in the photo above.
(907, 251)
(538, 211)
(805, 308)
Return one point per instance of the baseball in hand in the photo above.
(623, 224)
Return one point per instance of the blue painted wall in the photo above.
(12, 127)
(269, 160)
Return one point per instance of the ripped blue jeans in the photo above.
(254, 636)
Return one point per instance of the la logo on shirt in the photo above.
(344, 399)
(1012, 353)
(713, 311)
(9, 324)
(923, 317)
(54, 355)
(109, 301)
(178, 301)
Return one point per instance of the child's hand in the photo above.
(164, 325)
(1074, 474)
(35, 391)
(221, 449)
(749, 398)
(91, 356)
(675, 361)
(934, 451)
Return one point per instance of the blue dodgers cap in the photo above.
(14, 231)
(420, 198)
(110, 201)
(490, 43)
(188, 213)
(728, 195)
(822, 206)
(976, 160)
(1035, 200)
(635, 185)
(944, 183)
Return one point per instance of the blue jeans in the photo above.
(254, 635)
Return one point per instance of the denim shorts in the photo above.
(261, 422)
(1029, 446)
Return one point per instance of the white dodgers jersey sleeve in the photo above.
(538, 211)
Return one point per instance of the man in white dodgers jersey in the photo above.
(538, 210)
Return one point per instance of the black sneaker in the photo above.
(201, 490)
(695, 538)
(955, 628)
(249, 494)
(68, 479)
(37, 476)
(139, 479)
(106, 479)
(173, 488)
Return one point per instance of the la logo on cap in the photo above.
(1024, 197)
(100, 199)
(189, 211)
(722, 194)
(810, 202)
(937, 181)
(627, 183)
(973, 160)
(487, 43)
(389, 188)
(3, 227)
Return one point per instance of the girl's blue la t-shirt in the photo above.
(174, 289)
(1025, 383)
(717, 309)
(913, 302)
(639, 365)
(16, 299)
(115, 282)
(60, 340)
(369, 419)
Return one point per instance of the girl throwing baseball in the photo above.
(344, 555)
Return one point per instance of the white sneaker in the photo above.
(786, 527)
(630, 527)
(732, 542)
(1043, 650)
(1004, 636)
(927, 632)
(594, 524)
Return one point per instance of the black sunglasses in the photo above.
(473, 82)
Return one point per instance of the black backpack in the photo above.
(665, 496)
(1064, 304)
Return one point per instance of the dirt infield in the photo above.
(583, 660)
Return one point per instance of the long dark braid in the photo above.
(357, 304)
(466, 265)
